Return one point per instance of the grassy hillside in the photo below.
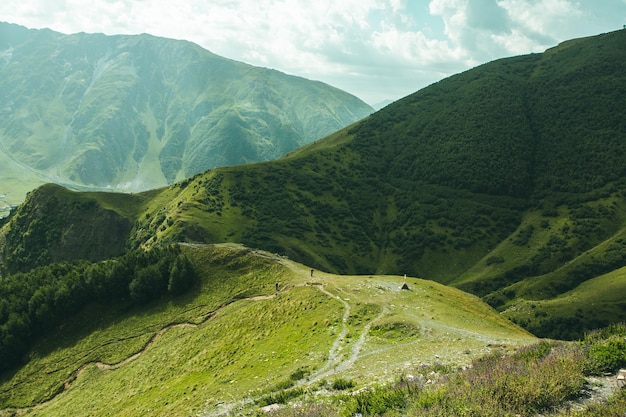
(134, 113)
(233, 340)
(506, 181)
(76, 226)
(593, 304)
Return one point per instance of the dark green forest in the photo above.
(34, 304)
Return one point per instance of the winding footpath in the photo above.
(334, 353)
(337, 362)
(110, 367)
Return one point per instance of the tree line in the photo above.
(35, 303)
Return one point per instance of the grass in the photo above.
(341, 384)
(595, 303)
(545, 379)
(144, 144)
(233, 341)
(17, 180)
(223, 358)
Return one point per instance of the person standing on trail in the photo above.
(312, 271)
(277, 287)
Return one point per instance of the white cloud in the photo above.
(547, 18)
(473, 26)
(412, 48)
(488, 29)
(376, 49)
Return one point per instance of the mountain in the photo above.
(506, 181)
(134, 113)
(379, 105)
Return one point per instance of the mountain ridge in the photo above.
(135, 112)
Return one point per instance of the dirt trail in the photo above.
(336, 359)
(356, 348)
(110, 367)
(338, 344)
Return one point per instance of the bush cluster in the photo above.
(605, 349)
(53, 225)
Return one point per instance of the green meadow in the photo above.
(232, 340)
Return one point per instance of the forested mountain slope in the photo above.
(506, 181)
(138, 112)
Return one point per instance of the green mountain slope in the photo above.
(138, 112)
(506, 181)
(76, 226)
(233, 340)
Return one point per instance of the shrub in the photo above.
(534, 352)
(605, 349)
(535, 379)
(182, 275)
(341, 384)
(147, 283)
(606, 356)
(374, 402)
(492, 260)
(299, 374)
(305, 410)
(281, 397)
(614, 407)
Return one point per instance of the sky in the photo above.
(375, 49)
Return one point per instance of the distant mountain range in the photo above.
(507, 181)
(138, 112)
(381, 104)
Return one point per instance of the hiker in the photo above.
(312, 271)
(277, 287)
